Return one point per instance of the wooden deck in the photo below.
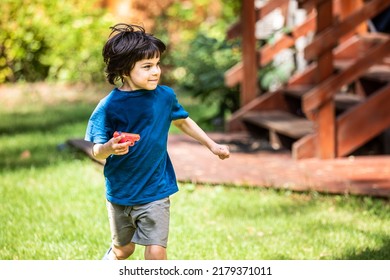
(253, 163)
(343, 57)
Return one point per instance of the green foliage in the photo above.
(202, 55)
(274, 75)
(51, 40)
(279, 70)
(201, 72)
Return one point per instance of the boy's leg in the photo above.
(152, 231)
(123, 252)
(122, 230)
(146, 225)
(109, 255)
(119, 253)
(155, 252)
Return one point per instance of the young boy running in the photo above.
(139, 178)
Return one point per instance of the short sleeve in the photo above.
(178, 111)
(96, 131)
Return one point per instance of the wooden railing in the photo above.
(318, 104)
(252, 59)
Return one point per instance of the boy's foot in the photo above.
(107, 256)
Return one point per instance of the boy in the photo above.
(139, 178)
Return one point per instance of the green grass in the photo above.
(247, 223)
(52, 205)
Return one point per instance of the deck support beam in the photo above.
(249, 88)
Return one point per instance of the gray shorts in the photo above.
(146, 224)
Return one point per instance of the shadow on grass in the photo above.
(38, 156)
(332, 230)
(35, 139)
(323, 228)
(46, 120)
(382, 253)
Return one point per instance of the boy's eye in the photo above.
(148, 66)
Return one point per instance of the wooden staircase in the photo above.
(339, 102)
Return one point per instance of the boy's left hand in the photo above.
(221, 150)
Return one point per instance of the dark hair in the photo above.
(126, 45)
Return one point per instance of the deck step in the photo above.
(377, 72)
(280, 122)
(344, 101)
(297, 91)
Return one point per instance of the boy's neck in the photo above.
(125, 88)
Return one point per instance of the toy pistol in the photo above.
(129, 137)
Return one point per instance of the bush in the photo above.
(199, 54)
(51, 40)
(201, 72)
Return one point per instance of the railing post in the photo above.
(249, 87)
(346, 8)
(325, 117)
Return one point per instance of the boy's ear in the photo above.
(126, 74)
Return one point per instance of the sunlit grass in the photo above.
(52, 212)
(242, 223)
(52, 205)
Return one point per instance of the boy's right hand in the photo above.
(112, 147)
(222, 151)
(117, 148)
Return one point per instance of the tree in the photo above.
(51, 40)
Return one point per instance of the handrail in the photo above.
(234, 75)
(267, 52)
(323, 41)
(235, 30)
(329, 38)
(325, 91)
(354, 127)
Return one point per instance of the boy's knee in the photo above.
(123, 252)
(155, 252)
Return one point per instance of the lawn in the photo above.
(52, 201)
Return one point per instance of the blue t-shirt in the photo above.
(145, 173)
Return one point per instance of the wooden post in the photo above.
(345, 8)
(249, 85)
(325, 118)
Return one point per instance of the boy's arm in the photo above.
(103, 151)
(189, 127)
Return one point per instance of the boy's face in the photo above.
(145, 74)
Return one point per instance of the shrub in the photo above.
(201, 72)
(51, 40)
(199, 54)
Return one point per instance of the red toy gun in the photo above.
(129, 137)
